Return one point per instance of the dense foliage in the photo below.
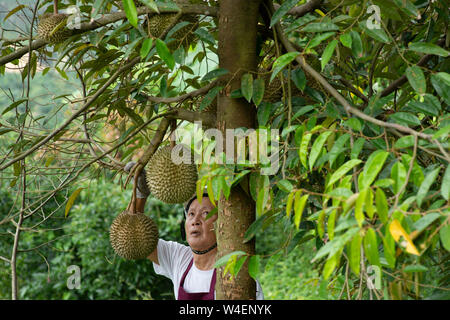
(359, 94)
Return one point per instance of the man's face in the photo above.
(199, 231)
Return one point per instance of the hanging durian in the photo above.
(52, 28)
(133, 235)
(171, 182)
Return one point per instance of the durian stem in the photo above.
(133, 199)
(173, 127)
(55, 6)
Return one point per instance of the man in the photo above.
(191, 268)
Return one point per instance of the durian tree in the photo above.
(357, 90)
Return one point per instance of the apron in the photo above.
(183, 295)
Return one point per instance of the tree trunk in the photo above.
(237, 53)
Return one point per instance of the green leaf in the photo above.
(429, 106)
(165, 54)
(405, 118)
(238, 265)
(16, 9)
(428, 48)
(444, 76)
(425, 221)
(398, 174)
(331, 247)
(371, 247)
(263, 113)
(404, 142)
(376, 33)
(444, 234)
(209, 97)
(370, 209)
(384, 183)
(445, 187)
(425, 186)
(415, 268)
(441, 87)
(289, 202)
(382, 205)
(441, 132)
(71, 200)
(299, 206)
(357, 147)
(319, 38)
(357, 45)
(14, 105)
(146, 46)
(320, 27)
(372, 167)
(253, 266)
(353, 123)
(346, 40)
(288, 130)
(339, 173)
(151, 4)
(408, 7)
(354, 253)
(359, 214)
(317, 148)
(330, 265)
(338, 148)
(282, 10)
(258, 91)
(303, 150)
(223, 260)
(247, 86)
(282, 62)
(285, 185)
(416, 79)
(130, 12)
(389, 248)
(299, 78)
(327, 53)
(261, 201)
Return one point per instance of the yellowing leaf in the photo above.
(71, 201)
(397, 232)
(320, 12)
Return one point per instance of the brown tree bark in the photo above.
(237, 53)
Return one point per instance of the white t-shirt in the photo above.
(173, 260)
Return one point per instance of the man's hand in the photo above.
(142, 190)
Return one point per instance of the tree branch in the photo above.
(208, 119)
(135, 171)
(303, 9)
(402, 80)
(183, 97)
(75, 115)
(319, 78)
(108, 19)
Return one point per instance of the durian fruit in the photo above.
(171, 182)
(273, 91)
(52, 28)
(133, 236)
(158, 23)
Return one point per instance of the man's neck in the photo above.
(205, 261)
